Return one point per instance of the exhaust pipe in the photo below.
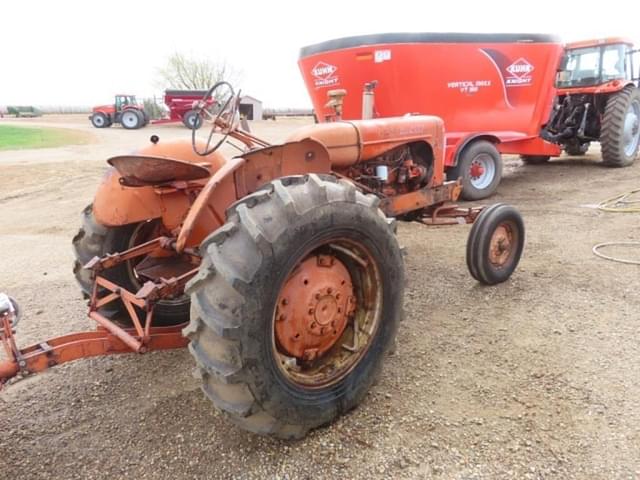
(368, 99)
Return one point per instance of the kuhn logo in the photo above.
(519, 73)
(323, 70)
(324, 74)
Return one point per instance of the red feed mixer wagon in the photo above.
(493, 91)
(524, 94)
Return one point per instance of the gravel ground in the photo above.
(534, 378)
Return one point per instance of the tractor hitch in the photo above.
(107, 339)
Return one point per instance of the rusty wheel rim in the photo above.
(144, 232)
(327, 314)
(503, 243)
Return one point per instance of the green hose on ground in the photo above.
(620, 204)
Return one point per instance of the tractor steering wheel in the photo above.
(223, 122)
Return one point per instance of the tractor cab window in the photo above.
(121, 101)
(613, 62)
(589, 66)
(124, 100)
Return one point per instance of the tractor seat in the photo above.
(143, 170)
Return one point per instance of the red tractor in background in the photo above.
(125, 110)
(598, 99)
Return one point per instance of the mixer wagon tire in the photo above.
(93, 240)
(577, 149)
(191, 119)
(535, 159)
(99, 120)
(132, 119)
(298, 298)
(495, 244)
(480, 167)
(620, 133)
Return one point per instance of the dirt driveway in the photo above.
(535, 378)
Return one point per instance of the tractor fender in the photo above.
(116, 204)
(468, 140)
(244, 176)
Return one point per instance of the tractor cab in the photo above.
(124, 101)
(598, 100)
(125, 110)
(609, 62)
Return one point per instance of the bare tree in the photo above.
(189, 73)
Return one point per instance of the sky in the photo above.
(83, 52)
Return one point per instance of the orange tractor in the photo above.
(598, 99)
(125, 110)
(280, 266)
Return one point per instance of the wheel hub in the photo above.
(500, 246)
(314, 307)
(476, 170)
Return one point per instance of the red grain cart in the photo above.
(493, 91)
(180, 104)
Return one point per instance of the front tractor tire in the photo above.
(94, 239)
(620, 133)
(480, 167)
(100, 120)
(577, 149)
(535, 159)
(297, 300)
(495, 244)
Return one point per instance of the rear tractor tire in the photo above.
(132, 119)
(297, 300)
(94, 239)
(495, 244)
(620, 133)
(480, 166)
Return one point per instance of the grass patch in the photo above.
(17, 138)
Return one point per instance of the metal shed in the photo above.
(251, 108)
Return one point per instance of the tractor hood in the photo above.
(103, 108)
